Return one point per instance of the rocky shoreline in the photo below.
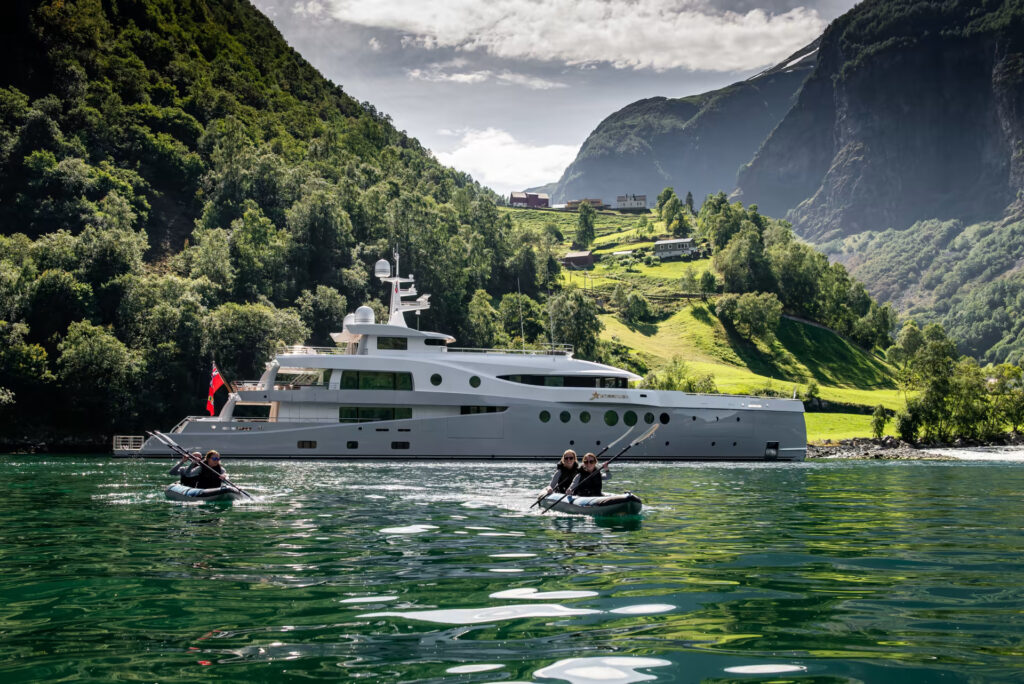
(892, 449)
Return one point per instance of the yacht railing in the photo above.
(302, 349)
(556, 350)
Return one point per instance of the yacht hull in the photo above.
(700, 434)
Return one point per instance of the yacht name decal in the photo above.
(598, 395)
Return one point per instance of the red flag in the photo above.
(216, 382)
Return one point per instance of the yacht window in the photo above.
(568, 381)
(471, 410)
(648, 417)
(393, 343)
(399, 445)
(304, 444)
(352, 445)
(375, 380)
(251, 411)
(584, 416)
(545, 416)
(664, 419)
(435, 379)
(564, 416)
(367, 414)
(629, 418)
(474, 381)
(433, 342)
(611, 418)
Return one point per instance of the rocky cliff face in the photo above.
(693, 144)
(914, 111)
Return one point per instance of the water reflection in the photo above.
(737, 571)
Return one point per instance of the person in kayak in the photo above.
(188, 469)
(210, 477)
(564, 473)
(588, 480)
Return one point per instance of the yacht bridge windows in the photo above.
(606, 382)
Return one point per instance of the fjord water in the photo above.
(823, 572)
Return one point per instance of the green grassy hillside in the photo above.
(688, 329)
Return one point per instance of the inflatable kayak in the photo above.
(179, 492)
(613, 504)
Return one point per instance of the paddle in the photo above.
(597, 471)
(167, 441)
(598, 455)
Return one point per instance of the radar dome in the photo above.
(349, 320)
(382, 269)
(364, 314)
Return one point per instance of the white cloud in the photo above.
(498, 160)
(436, 74)
(374, 44)
(656, 34)
(313, 8)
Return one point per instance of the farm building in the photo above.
(631, 202)
(530, 200)
(667, 249)
(581, 259)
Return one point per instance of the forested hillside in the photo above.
(177, 185)
(694, 144)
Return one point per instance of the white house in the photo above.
(631, 202)
(667, 249)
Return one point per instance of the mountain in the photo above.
(914, 111)
(693, 143)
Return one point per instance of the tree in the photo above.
(879, 417)
(323, 312)
(241, 338)
(90, 358)
(689, 203)
(482, 324)
(752, 314)
(573, 317)
(585, 225)
(742, 263)
(708, 285)
(676, 376)
(521, 317)
(1008, 394)
(663, 197)
(637, 308)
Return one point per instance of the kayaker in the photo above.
(587, 481)
(565, 471)
(212, 472)
(188, 469)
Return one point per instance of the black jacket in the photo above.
(208, 479)
(563, 476)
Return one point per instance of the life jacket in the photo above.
(208, 479)
(565, 476)
(590, 483)
(189, 481)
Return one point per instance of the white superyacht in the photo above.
(387, 391)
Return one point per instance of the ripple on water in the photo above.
(369, 599)
(409, 529)
(469, 669)
(476, 616)
(531, 593)
(602, 670)
(767, 668)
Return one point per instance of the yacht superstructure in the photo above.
(389, 391)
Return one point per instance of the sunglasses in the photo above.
(568, 458)
(215, 458)
(590, 461)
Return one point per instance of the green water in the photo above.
(813, 572)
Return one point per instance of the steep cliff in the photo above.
(694, 143)
(915, 111)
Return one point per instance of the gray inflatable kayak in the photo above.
(613, 504)
(179, 492)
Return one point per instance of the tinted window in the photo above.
(545, 416)
(393, 343)
(611, 418)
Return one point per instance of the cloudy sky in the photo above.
(508, 90)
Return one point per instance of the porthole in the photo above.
(435, 379)
(664, 419)
(352, 445)
(611, 418)
(712, 444)
(474, 381)
(695, 417)
(629, 418)
(572, 442)
(584, 416)
(648, 417)
(564, 416)
(545, 416)
(737, 419)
